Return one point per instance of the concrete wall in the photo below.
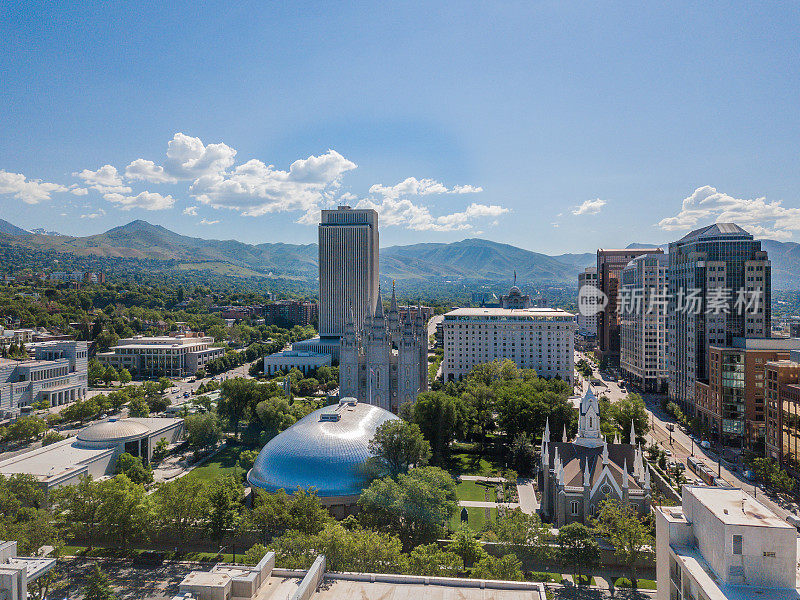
(308, 587)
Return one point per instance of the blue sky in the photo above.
(494, 120)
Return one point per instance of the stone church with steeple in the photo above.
(577, 477)
(385, 361)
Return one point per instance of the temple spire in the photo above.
(393, 306)
(633, 434)
(379, 305)
(564, 436)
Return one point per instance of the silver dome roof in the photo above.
(113, 430)
(325, 450)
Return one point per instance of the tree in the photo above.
(48, 583)
(431, 560)
(223, 496)
(235, 396)
(308, 386)
(25, 429)
(437, 415)
(110, 374)
(133, 468)
(399, 445)
(578, 548)
(97, 586)
(200, 374)
(624, 529)
(247, 458)
(465, 544)
(161, 449)
(79, 505)
(181, 503)
(138, 407)
(631, 409)
(202, 430)
(254, 554)
(51, 437)
(505, 568)
(417, 506)
(522, 453)
(517, 528)
(126, 510)
(125, 376)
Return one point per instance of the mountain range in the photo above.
(470, 260)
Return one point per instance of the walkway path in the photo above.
(482, 504)
(482, 478)
(527, 496)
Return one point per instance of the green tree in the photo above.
(110, 374)
(247, 458)
(308, 386)
(578, 548)
(517, 528)
(398, 445)
(235, 396)
(202, 430)
(138, 407)
(126, 510)
(437, 415)
(125, 376)
(79, 506)
(631, 409)
(621, 525)
(223, 497)
(416, 506)
(466, 545)
(522, 453)
(133, 468)
(25, 429)
(181, 503)
(254, 554)
(97, 586)
(51, 437)
(505, 568)
(431, 560)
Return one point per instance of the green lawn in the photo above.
(220, 465)
(463, 463)
(642, 584)
(473, 490)
(476, 518)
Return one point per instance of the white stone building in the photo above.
(58, 374)
(295, 359)
(385, 360)
(169, 356)
(722, 544)
(577, 477)
(587, 324)
(642, 305)
(534, 338)
(16, 572)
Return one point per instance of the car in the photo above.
(186, 394)
(748, 475)
(667, 452)
(705, 444)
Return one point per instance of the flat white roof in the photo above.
(52, 461)
(508, 312)
(733, 507)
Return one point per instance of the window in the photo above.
(737, 544)
(574, 507)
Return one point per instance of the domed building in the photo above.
(326, 450)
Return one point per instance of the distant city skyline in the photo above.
(555, 128)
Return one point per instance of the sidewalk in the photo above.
(482, 504)
(527, 496)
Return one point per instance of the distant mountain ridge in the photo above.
(473, 260)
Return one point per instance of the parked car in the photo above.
(793, 519)
(705, 444)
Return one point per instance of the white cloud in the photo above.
(78, 191)
(30, 191)
(207, 222)
(144, 200)
(95, 215)
(105, 180)
(761, 218)
(589, 207)
(147, 170)
(254, 188)
(187, 159)
(404, 213)
(420, 187)
(190, 210)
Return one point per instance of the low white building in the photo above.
(721, 544)
(534, 338)
(94, 451)
(175, 355)
(287, 360)
(58, 375)
(16, 572)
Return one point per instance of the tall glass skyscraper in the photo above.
(710, 270)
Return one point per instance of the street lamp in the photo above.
(670, 428)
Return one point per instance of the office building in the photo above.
(288, 313)
(57, 374)
(609, 266)
(721, 544)
(719, 289)
(175, 355)
(731, 401)
(384, 361)
(587, 324)
(782, 431)
(534, 338)
(642, 303)
(348, 268)
(306, 362)
(577, 477)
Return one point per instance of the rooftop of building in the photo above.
(506, 312)
(733, 506)
(53, 461)
(717, 230)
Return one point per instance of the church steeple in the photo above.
(589, 422)
(378, 314)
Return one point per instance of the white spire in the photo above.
(605, 452)
(586, 473)
(546, 434)
(589, 434)
(647, 479)
(616, 437)
(633, 434)
(625, 473)
(564, 435)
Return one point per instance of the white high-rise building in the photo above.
(348, 268)
(642, 302)
(534, 338)
(587, 324)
